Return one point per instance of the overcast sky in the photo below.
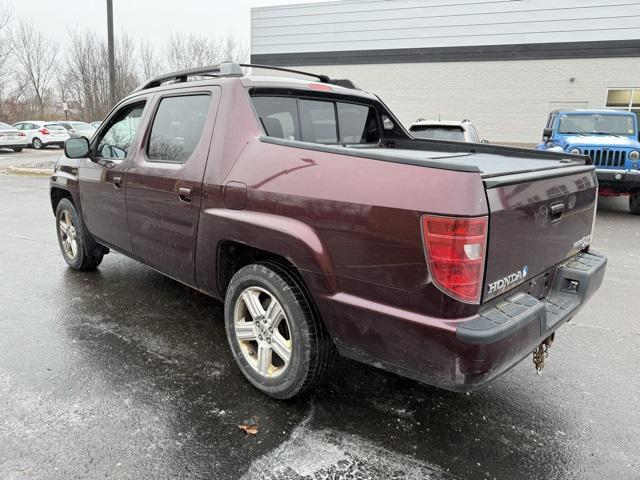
(152, 19)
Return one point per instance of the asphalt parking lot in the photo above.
(123, 373)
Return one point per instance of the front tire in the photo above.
(634, 203)
(37, 143)
(275, 334)
(71, 238)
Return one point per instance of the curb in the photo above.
(30, 171)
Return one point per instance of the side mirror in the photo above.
(484, 141)
(547, 133)
(76, 147)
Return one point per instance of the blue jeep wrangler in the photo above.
(610, 138)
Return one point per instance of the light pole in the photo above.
(111, 54)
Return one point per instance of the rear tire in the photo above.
(294, 341)
(37, 143)
(634, 203)
(17, 150)
(71, 238)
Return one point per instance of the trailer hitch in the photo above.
(541, 352)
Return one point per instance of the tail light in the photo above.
(44, 131)
(456, 249)
(21, 134)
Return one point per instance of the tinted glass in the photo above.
(455, 134)
(315, 121)
(279, 116)
(116, 140)
(177, 128)
(318, 121)
(357, 123)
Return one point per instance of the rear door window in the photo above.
(177, 128)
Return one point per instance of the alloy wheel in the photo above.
(68, 234)
(263, 332)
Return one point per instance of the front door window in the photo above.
(116, 140)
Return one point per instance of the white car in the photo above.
(452, 131)
(12, 138)
(42, 134)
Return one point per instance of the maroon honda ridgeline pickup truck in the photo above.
(325, 227)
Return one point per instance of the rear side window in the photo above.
(177, 128)
(279, 116)
(317, 121)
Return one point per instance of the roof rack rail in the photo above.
(227, 69)
(321, 78)
(230, 69)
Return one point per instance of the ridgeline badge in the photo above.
(508, 280)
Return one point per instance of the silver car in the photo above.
(42, 134)
(78, 129)
(12, 138)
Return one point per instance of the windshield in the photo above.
(54, 126)
(585, 124)
(453, 134)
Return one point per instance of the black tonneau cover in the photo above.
(489, 165)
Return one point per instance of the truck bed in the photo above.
(490, 162)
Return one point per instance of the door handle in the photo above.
(117, 183)
(556, 212)
(185, 194)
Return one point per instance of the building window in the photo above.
(625, 99)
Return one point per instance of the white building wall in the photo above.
(390, 24)
(508, 101)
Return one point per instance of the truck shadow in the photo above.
(163, 346)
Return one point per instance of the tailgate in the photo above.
(537, 220)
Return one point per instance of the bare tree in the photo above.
(86, 72)
(233, 50)
(34, 59)
(5, 18)
(150, 64)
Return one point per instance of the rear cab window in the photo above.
(329, 121)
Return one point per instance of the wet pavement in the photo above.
(123, 373)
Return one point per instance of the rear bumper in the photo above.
(13, 145)
(620, 181)
(462, 355)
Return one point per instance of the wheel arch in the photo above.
(57, 194)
